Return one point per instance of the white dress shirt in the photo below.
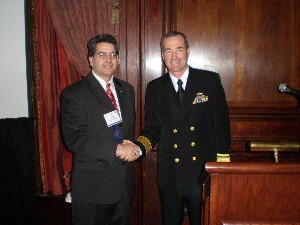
(112, 87)
(184, 78)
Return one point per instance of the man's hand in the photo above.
(127, 151)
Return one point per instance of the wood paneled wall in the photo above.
(253, 44)
(142, 24)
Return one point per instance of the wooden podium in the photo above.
(253, 193)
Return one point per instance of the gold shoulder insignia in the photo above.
(146, 142)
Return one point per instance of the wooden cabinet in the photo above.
(253, 193)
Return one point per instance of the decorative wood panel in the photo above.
(209, 26)
(250, 124)
(155, 21)
(254, 45)
(151, 191)
(142, 23)
(257, 192)
(130, 71)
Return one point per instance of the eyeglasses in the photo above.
(104, 55)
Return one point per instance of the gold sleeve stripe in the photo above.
(223, 157)
(146, 142)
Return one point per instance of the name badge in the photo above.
(112, 118)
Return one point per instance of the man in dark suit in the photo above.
(96, 113)
(187, 115)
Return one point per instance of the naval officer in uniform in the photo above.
(187, 115)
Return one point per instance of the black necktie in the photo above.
(180, 89)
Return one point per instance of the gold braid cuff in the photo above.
(146, 143)
(223, 157)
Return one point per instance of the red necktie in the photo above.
(111, 96)
(116, 128)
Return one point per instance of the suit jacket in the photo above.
(98, 176)
(190, 133)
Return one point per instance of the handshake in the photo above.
(128, 151)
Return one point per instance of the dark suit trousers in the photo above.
(84, 213)
(172, 206)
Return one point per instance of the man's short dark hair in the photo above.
(107, 38)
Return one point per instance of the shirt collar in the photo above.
(184, 78)
(103, 82)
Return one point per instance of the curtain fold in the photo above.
(76, 22)
(52, 76)
(60, 31)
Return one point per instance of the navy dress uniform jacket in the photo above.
(188, 134)
(98, 176)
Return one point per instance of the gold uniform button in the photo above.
(192, 128)
(193, 144)
(177, 160)
(175, 146)
(194, 158)
(175, 131)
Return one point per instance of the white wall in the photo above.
(13, 83)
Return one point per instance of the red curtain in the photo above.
(76, 22)
(60, 31)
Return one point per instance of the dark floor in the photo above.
(53, 211)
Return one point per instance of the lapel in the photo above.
(193, 86)
(100, 94)
(170, 100)
(104, 101)
(121, 93)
